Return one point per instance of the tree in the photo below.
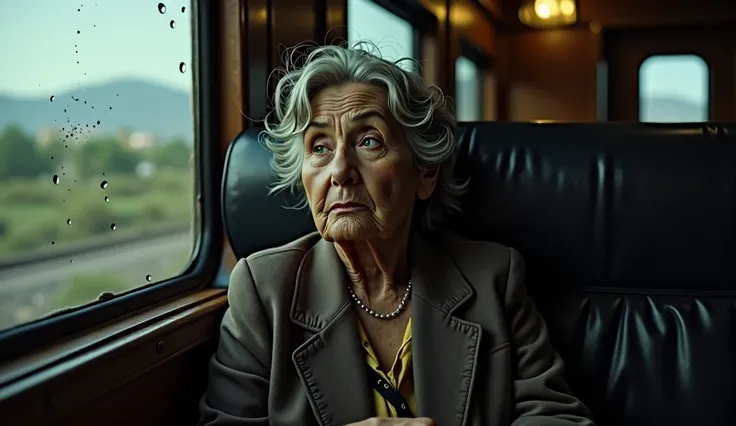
(55, 151)
(104, 155)
(175, 154)
(20, 156)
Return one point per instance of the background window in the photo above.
(673, 89)
(468, 93)
(393, 35)
(96, 150)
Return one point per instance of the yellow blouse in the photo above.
(400, 375)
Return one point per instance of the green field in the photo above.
(33, 220)
(146, 190)
(34, 212)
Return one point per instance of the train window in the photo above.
(96, 151)
(673, 88)
(394, 36)
(468, 90)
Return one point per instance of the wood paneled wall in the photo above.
(551, 75)
(536, 75)
(554, 74)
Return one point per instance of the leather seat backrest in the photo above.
(629, 235)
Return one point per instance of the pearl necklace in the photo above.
(389, 315)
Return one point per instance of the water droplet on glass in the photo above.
(71, 260)
(183, 67)
(53, 242)
(149, 278)
(98, 121)
(77, 31)
(172, 24)
(107, 199)
(54, 97)
(183, 9)
(103, 185)
(113, 227)
(56, 179)
(68, 221)
(161, 8)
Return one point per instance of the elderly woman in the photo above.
(378, 318)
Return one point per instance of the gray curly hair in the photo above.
(424, 112)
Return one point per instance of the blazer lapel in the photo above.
(330, 363)
(445, 348)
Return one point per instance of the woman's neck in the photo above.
(379, 268)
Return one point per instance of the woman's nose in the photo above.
(343, 171)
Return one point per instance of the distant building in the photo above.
(122, 136)
(141, 140)
(46, 135)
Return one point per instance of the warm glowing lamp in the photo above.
(548, 13)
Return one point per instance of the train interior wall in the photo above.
(531, 75)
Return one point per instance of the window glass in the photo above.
(393, 35)
(673, 89)
(468, 93)
(96, 151)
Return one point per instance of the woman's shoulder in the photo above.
(271, 272)
(460, 246)
(478, 259)
(293, 250)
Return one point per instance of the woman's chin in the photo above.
(347, 229)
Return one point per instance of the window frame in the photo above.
(207, 251)
(422, 21)
(708, 89)
(484, 64)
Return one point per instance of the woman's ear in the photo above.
(427, 182)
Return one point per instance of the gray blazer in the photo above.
(289, 352)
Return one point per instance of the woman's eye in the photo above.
(319, 149)
(370, 143)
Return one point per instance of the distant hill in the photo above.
(137, 106)
(672, 110)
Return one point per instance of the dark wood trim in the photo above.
(470, 51)
(489, 14)
(46, 385)
(336, 18)
(256, 51)
(413, 12)
(233, 92)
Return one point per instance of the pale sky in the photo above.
(369, 21)
(678, 76)
(118, 39)
(130, 38)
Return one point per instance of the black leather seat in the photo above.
(629, 233)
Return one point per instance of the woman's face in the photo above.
(358, 170)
